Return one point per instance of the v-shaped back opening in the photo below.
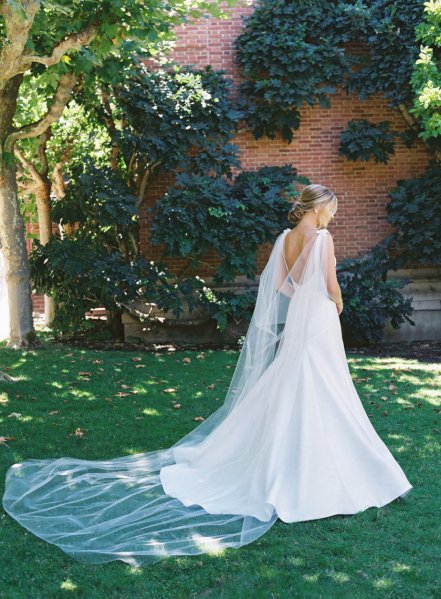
(306, 245)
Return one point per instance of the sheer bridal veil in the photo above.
(103, 510)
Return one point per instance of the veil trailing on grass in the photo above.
(103, 510)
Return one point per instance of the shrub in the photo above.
(369, 298)
(363, 140)
(199, 213)
(414, 211)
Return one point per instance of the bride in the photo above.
(291, 440)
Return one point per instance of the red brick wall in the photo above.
(361, 188)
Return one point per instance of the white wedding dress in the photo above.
(291, 441)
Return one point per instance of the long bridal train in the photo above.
(291, 441)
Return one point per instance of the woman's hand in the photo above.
(339, 306)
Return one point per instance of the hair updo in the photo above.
(312, 196)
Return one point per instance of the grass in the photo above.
(117, 400)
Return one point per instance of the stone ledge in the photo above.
(198, 327)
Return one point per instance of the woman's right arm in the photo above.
(333, 286)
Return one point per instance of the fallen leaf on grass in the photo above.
(211, 386)
(53, 412)
(4, 439)
(198, 418)
(78, 432)
(140, 366)
(83, 373)
(97, 361)
(187, 361)
(393, 388)
(176, 406)
(136, 359)
(15, 415)
(121, 394)
(200, 357)
(169, 390)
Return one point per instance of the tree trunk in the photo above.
(115, 325)
(12, 231)
(45, 229)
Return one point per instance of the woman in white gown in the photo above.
(291, 440)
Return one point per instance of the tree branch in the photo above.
(57, 173)
(73, 42)
(29, 166)
(44, 138)
(408, 117)
(61, 98)
(144, 182)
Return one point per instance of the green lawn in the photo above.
(117, 399)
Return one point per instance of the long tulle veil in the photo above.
(103, 510)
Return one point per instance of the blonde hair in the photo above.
(312, 196)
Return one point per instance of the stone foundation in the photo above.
(425, 291)
(198, 327)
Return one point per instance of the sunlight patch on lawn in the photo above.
(68, 585)
(26, 418)
(431, 396)
(78, 394)
(311, 577)
(407, 442)
(150, 412)
(296, 561)
(383, 583)
(207, 544)
(397, 436)
(397, 567)
(340, 577)
(402, 365)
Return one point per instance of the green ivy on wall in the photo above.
(297, 53)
